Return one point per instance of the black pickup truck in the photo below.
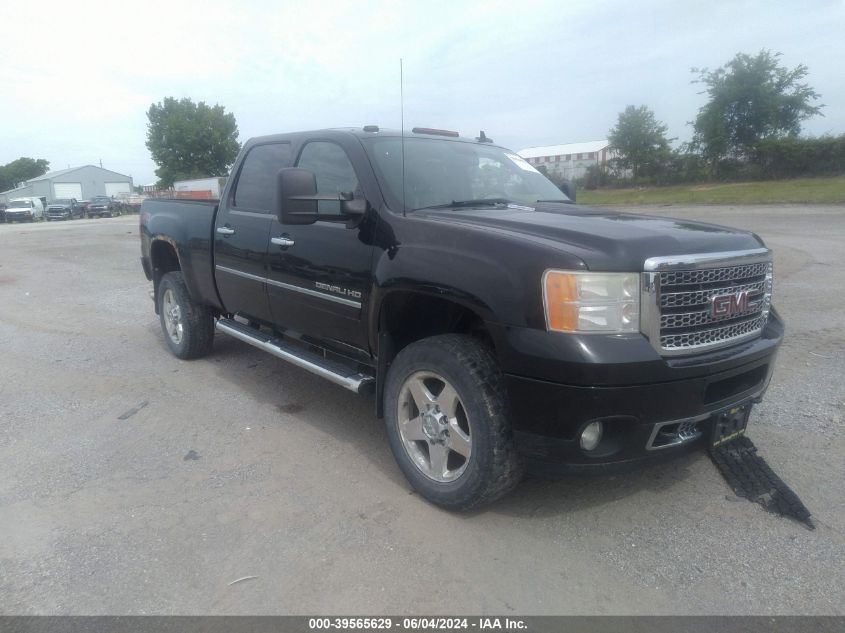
(498, 324)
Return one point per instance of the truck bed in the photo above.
(187, 225)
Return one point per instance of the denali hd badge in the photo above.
(338, 290)
(729, 304)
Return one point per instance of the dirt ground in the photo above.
(135, 483)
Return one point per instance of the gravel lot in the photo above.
(135, 483)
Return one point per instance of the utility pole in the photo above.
(101, 163)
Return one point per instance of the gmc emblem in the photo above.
(729, 305)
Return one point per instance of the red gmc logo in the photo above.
(728, 305)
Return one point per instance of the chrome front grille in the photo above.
(680, 277)
(674, 298)
(725, 333)
(696, 302)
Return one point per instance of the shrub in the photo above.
(793, 156)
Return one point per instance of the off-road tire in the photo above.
(197, 320)
(493, 468)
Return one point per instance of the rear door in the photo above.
(242, 232)
(320, 274)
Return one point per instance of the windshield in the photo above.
(101, 200)
(439, 172)
(62, 201)
(20, 204)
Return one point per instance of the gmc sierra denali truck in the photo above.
(498, 325)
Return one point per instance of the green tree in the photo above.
(20, 170)
(750, 99)
(190, 140)
(639, 141)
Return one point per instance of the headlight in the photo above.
(591, 302)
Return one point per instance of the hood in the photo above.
(603, 239)
(58, 207)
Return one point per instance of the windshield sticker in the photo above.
(520, 162)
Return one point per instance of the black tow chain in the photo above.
(752, 478)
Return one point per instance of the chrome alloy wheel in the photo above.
(172, 316)
(434, 427)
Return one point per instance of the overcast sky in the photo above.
(76, 78)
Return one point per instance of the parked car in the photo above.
(100, 206)
(2, 212)
(498, 324)
(25, 210)
(64, 209)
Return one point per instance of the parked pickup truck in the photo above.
(498, 325)
(64, 209)
(100, 206)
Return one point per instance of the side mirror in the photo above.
(294, 200)
(568, 188)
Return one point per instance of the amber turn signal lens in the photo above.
(561, 309)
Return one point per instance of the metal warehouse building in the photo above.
(82, 183)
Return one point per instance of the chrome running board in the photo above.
(336, 372)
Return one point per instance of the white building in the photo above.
(82, 183)
(568, 161)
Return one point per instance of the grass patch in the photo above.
(798, 190)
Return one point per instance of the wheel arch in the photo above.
(164, 258)
(405, 316)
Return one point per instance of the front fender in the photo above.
(475, 281)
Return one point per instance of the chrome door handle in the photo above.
(282, 241)
(225, 230)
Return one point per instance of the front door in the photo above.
(319, 274)
(242, 233)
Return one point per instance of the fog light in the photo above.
(591, 435)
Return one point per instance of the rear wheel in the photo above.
(188, 327)
(447, 422)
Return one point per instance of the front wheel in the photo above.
(188, 327)
(447, 422)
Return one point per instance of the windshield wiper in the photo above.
(562, 200)
(480, 202)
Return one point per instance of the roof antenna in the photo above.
(402, 132)
(482, 138)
